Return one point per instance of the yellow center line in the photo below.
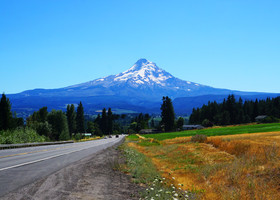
(19, 154)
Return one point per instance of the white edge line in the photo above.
(35, 161)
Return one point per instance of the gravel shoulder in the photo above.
(91, 178)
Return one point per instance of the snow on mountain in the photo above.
(139, 89)
(143, 81)
(143, 73)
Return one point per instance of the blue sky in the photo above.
(233, 44)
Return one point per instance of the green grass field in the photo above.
(256, 128)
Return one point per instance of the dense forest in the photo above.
(233, 111)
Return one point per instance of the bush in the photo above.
(207, 123)
(270, 119)
(20, 135)
(199, 138)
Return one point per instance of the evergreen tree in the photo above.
(167, 114)
(180, 123)
(6, 117)
(255, 110)
(153, 123)
(110, 121)
(71, 119)
(98, 120)
(104, 122)
(80, 119)
(42, 114)
(58, 122)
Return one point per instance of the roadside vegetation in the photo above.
(20, 135)
(144, 172)
(56, 125)
(244, 166)
(229, 162)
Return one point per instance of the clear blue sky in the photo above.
(233, 44)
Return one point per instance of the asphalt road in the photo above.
(19, 167)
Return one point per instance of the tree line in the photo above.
(104, 124)
(140, 122)
(57, 125)
(232, 111)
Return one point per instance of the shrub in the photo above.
(200, 138)
(270, 119)
(20, 135)
(207, 123)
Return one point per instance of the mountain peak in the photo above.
(142, 61)
(144, 72)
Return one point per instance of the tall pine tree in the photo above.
(6, 117)
(167, 114)
(104, 122)
(110, 121)
(71, 119)
(80, 118)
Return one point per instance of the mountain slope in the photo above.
(141, 86)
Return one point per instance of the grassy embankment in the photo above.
(231, 164)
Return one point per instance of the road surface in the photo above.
(19, 167)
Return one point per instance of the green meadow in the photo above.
(227, 130)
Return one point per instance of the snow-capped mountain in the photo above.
(140, 88)
(143, 72)
(144, 80)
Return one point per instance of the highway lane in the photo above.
(19, 167)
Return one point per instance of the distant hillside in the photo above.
(139, 89)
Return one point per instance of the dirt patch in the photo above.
(92, 178)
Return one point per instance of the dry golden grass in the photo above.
(243, 166)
